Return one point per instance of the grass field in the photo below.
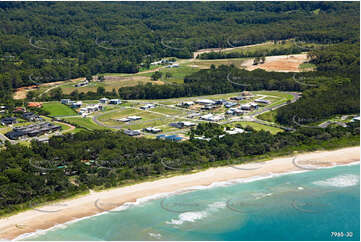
(169, 111)
(269, 46)
(64, 127)
(57, 109)
(120, 113)
(86, 123)
(257, 127)
(177, 74)
(206, 64)
(111, 82)
(268, 116)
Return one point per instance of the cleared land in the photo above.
(281, 63)
(57, 109)
(110, 83)
(86, 123)
(257, 127)
(289, 63)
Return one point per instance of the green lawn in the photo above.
(57, 109)
(268, 116)
(64, 127)
(269, 46)
(86, 123)
(169, 111)
(177, 74)
(258, 127)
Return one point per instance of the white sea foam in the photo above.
(198, 215)
(154, 235)
(346, 180)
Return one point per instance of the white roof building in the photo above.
(187, 124)
(211, 117)
(262, 101)
(147, 106)
(134, 117)
(187, 103)
(123, 119)
(205, 101)
(235, 131)
(104, 100)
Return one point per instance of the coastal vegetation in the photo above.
(73, 163)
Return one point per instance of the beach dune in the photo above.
(96, 202)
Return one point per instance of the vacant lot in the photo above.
(57, 109)
(86, 123)
(206, 64)
(282, 63)
(257, 127)
(110, 83)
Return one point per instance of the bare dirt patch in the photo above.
(283, 63)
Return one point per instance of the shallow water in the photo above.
(298, 206)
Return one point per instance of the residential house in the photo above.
(123, 119)
(3, 109)
(104, 100)
(115, 101)
(81, 84)
(132, 132)
(208, 107)
(238, 98)
(264, 101)
(134, 118)
(147, 106)
(152, 130)
(65, 101)
(8, 121)
(182, 124)
(173, 66)
(235, 131)
(229, 104)
(186, 104)
(235, 111)
(35, 104)
(76, 104)
(205, 102)
(211, 117)
(220, 102)
(31, 116)
(249, 106)
(170, 137)
(32, 130)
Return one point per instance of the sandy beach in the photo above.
(96, 202)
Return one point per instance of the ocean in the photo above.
(322, 204)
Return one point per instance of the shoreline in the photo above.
(23, 224)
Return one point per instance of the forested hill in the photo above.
(61, 40)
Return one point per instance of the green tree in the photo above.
(156, 75)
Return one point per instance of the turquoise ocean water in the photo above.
(299, 206)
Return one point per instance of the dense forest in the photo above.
(73, 163)
(51, 41)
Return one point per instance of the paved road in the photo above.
(253, 116)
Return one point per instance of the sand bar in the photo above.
(32, 220)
